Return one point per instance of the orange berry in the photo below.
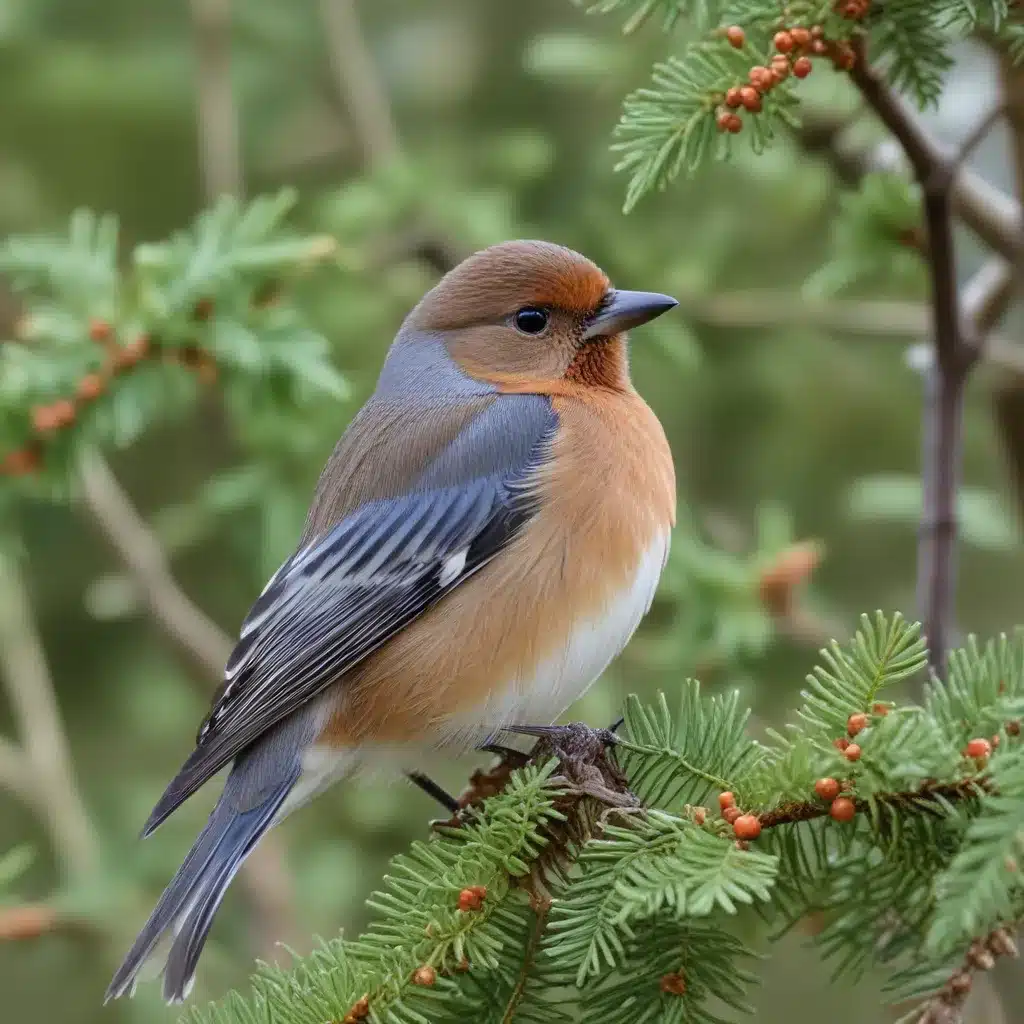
(90, 387)
(44, 419)
(880, 709)
(783, 41)
(856, 723)
(472, 898)
(827, 789)
(844, 57)
(726, 800)
(761, 78)
(978, 748)
(21, 462)
(731, 814)
(736, 36)
(734, 98)
(747, 826)
(673, 984)
(100, 330)
(801, 37)
(852, 752)
(841, 744)
(425, 975)
(843, 809)
(751, 98)
(63, 412)
(723, 120)
(360, 1011)
(801, 67)
(735, 125)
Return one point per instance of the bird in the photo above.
(483, 540)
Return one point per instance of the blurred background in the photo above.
(415, 133)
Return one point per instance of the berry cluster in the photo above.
(794, 46)
(472, 898)
(744, 826)
(49, 419)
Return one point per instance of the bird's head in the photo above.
(533, 316)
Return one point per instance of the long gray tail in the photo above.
(188, 904)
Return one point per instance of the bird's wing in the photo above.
(340, 597)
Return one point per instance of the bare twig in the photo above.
(359, 84)
(45, 774)
(207, 647)
(991, 214)
(141, 553)
(956, 351)
(947, 1005)
(219, 148)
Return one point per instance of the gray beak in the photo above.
(626, 310)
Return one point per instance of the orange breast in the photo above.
(606, 497)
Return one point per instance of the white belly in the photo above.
(538, 700)
(558, 681)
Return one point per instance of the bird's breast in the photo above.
(525, 636)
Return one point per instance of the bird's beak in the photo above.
(626, 310)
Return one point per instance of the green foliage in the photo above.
(876, 238)
(670, 126)
(647, 903)
(209, 297)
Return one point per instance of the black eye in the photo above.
(531, 320)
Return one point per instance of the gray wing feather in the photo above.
(340, 597)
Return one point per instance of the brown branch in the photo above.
(140, 552)
(264, 874)
(359, 84)
(219, 149)
(946, 380)
(45, 776)
(794, 812)
(947, 1005)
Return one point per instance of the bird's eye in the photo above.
(531, 320)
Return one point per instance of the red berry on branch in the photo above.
(801, 67)
(425, 975)
(673, 984)
(100, 330)
(841, 744)
(827, 789)
(844, 57)
(90, 387)
(978, 749)
(760, 78)
(733, 98)
(783, 41)
(880, 709)
(852, 752)
(843, 809)
(856, 723)
(44, 419)
(801, 37)
(736, 36)
(726, 800)
(735, 125)
(750, 98)
(472, 898)
(747, 826)
(723, 120)
(731, 814)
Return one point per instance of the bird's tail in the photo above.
(188, 904)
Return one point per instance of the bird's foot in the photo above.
(584, 760)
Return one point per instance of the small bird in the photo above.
(483, 541)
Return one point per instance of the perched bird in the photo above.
(483, 541)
